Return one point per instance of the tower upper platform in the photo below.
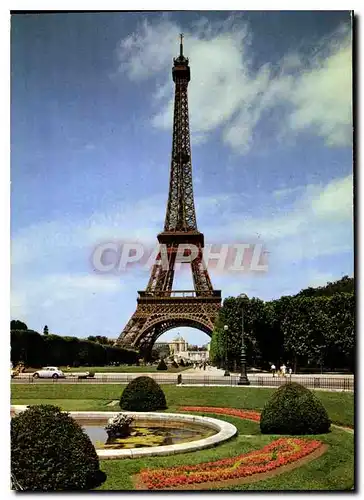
(181, 69)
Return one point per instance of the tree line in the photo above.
(311, 330)
(37, 350)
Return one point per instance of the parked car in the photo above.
(49, 372)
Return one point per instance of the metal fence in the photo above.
(331, 383)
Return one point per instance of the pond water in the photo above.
(147, 435)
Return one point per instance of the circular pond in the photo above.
(146, 434)
(155, 433)
(168, 433)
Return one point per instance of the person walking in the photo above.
(273, 369)
(283, 370)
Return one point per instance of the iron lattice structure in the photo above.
(158, 307)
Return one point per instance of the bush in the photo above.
(293, 409)
(175, 365)
(162, 365)
(182, 363)
(143, 394)
(51, 452)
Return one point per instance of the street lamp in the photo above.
(243, 379)
(226, 374)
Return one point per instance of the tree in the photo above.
(45, 330)
(343, 285)
(305, 329)
(160, 351)
(100, 339)
(15, 324)
(226, 343)
(340, 338)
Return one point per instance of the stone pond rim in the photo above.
(225, 431)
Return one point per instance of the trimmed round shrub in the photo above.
(51, 452)
(294, 409)
(162, 365)
(143, 394)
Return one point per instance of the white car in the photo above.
(49, 372)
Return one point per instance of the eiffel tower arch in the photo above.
(159, 308)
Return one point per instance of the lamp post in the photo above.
(226, 374)
(243, 379)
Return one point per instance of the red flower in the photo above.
(245, 414)
(286, 450)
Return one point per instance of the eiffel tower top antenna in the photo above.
(181, 45)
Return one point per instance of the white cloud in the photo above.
(335, 201)
(285, 192)
(322, 99)
(314, 95)
(319, 222)
(59, 291)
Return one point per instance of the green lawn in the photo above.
(340, 405)
(333, 471)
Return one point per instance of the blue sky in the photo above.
(91, 102)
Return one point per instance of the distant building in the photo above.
(177, 345)
(196, 356)
(180, 349)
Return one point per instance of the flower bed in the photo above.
(245, 414)
(278, 453)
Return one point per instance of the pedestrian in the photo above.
(290, 371)
(283, 370)
(273, 369)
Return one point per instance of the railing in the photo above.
(179, 293)
(330, 383)
(176, 293)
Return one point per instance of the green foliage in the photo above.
(293, 409)
(305, 328)
(50, 452)
(307, 331)
(344, 285)
(40, 350)
(257, 332)
(160, 351)
(162, 365)
(15, 324)
(319, 331)
(100, 339)
(143, 394)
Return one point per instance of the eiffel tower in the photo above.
(158, 307)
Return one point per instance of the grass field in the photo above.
(333, 471)
(340, 405)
